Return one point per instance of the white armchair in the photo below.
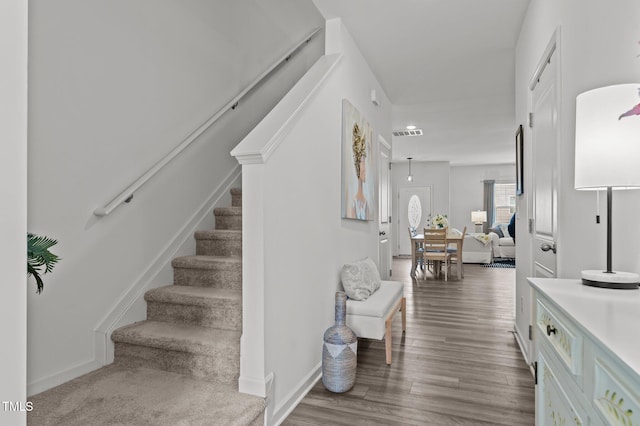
(502, 244)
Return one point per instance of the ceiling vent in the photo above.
(414, 132)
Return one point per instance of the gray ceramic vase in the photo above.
(339, 351)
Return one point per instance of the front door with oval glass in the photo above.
(414, 210)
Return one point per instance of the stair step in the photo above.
(236, 197)
(200, 306)
(228, 211)
(202, 352)
(208, 271)
(178, 337)
(118, 394)
(228, 218)
(219, 242)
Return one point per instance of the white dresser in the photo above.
(587, 346)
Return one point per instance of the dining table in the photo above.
(452, 238)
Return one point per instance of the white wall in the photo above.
(13, 192)
(434, 174)
(467, 189)
(299, 241)
(455, 190)
(598, 46)
(113, 87)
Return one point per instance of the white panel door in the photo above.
(545, 175)
(384, 207)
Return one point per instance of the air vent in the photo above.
(414, 132)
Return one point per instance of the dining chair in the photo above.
(455, 252)
(435, 250)
(418, 250)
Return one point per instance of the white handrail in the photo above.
(127, 194)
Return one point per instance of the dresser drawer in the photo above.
(589, 362)
(613, 397)
(554, 406)
(563, 338)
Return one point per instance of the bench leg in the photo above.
(387, 338)
(402, 306)
(404, 314)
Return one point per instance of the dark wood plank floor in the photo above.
(458, 364)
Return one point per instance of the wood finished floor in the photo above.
(458, 364)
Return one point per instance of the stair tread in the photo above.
(236, 191)
(228, 211)
(141, 395)
(194, 296)
(177, 337)
(205, 262)
(218, 234)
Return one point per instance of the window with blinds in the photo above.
(504, 198)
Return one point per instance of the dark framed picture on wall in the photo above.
(519, 158)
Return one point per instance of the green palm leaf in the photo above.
(38, 256)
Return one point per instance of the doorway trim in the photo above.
(525, 266)
(385, 233)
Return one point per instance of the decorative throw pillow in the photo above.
(370, 274)
(504, 227)
(483, 238)
(360, 279)
(351, 277)
(497, 230)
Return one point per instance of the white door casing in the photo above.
(384, 208)
(545, 173)
(540, 197)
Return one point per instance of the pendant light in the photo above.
(410, 177)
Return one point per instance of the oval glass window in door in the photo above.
(414, 211)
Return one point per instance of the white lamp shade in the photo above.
(478, 216)
(608, 138)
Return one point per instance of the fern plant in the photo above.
(38, 256)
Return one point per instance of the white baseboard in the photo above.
(252, 386)
(521, 344)
(103, 346)
(61, 377)
(291, 401)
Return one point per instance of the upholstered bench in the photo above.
(372, 318)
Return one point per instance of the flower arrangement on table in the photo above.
(440, 221)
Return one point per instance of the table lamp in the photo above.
(478, 217)
(607, 156)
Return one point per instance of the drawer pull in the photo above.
(551, 330)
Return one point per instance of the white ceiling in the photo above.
(448, 67)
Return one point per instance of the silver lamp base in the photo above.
(615, 279)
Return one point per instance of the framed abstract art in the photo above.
(358, 174)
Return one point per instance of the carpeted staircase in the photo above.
(189, 341)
